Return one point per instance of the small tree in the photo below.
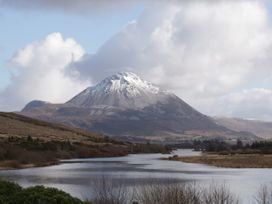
(239, 144)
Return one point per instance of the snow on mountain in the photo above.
(124, 90)
(126, 82)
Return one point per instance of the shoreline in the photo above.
(14, 165)
(228, 161)
(21, 152)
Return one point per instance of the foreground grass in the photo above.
(230, 161)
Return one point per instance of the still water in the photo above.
(77, 176)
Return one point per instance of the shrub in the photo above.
(11, 193)
(8, 190)
(42, 195)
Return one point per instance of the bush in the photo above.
(11, 193)
(42, 195)
(8, 190)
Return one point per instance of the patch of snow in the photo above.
(123, 90)
(124, 81)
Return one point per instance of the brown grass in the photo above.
(231, 161)
(18, 125)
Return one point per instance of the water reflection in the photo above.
(77, 176)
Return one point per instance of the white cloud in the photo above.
(201, 50)
(253, 103)
(41, 72)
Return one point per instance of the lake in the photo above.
(76, 176)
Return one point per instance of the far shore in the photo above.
(229, 161)
(12, 164)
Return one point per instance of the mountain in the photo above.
(124, 105)
(261, 129)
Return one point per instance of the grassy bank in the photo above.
(230, 160)
(220, 153)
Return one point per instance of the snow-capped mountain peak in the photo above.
(124, 90)
(127, 82)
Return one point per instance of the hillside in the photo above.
(12, 124)
(261, 129)
(26, 142)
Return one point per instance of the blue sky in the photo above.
(21, 27)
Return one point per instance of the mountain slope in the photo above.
(125, 105)
(261, 129)
(12, 124)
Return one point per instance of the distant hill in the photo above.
(124, 105)
(261, 129)
(12, 124)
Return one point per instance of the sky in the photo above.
(215, 55)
